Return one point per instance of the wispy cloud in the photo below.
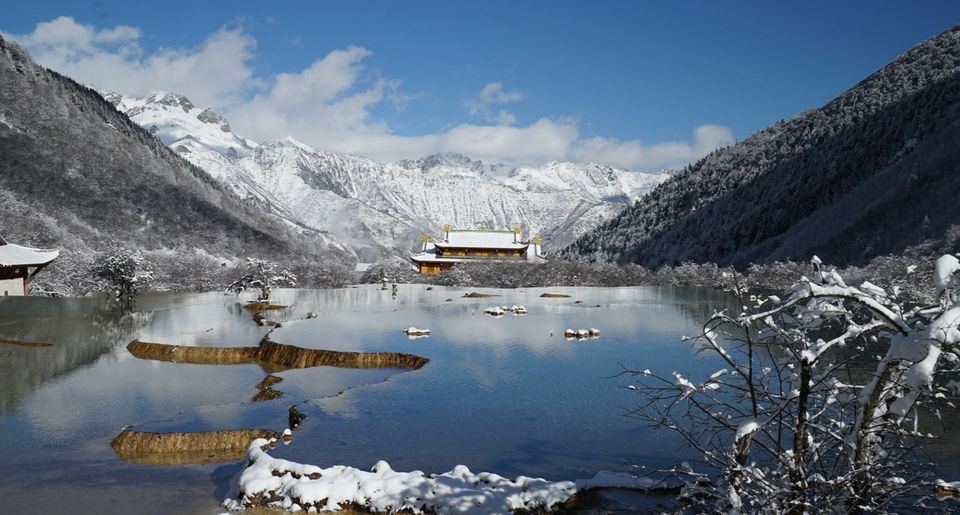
(330, 103)
(489, 101)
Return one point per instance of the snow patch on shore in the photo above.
(298, 487)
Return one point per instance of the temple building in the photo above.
(461, 245)
(18, 265)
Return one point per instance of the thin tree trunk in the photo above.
(801, 446)
(861, 459)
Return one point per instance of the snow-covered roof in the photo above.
(482, 239)
(431, 257)
(16, 255)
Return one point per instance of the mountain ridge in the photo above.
(379, 209)
(78, 175)
(802, 187)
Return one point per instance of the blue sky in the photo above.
(625, 83)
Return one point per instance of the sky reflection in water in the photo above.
(499, 394)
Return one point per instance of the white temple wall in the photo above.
(11, 287)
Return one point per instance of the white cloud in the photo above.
(635, 154)
(216, 73)
(321, 104)
(505, 118)
(330, 104)
(541, 141)
(490, 97)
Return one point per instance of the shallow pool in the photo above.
(505, 394)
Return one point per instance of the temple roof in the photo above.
(482, 240)
(16, 255)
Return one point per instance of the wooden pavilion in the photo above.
(18, 265)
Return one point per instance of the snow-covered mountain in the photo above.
(376, 209)
(873, 172)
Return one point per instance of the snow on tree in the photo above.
(797, 421)
(262, 275)
(124, 271)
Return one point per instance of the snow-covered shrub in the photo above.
(124, 272)
(778, 275)
(691, 274)
(322, 273)
(68, 276)
(393, 269)
(816, 407)
(264, 276)
(187, 270)
(457, 276)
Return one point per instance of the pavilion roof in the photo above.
(17, 255)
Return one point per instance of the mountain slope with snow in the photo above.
(872, 172)
(77, 175)
(377, 209)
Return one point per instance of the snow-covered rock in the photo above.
(496, 311)
(582, 333)
(414, 332)
(298, 487)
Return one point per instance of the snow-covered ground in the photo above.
(297, 487)
(376, 209)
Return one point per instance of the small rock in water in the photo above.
(415, 332)
(269, 381)
(582, 333)
(518, 310)
(295, 417)
(261, 320)
(266, 394)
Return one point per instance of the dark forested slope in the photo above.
(872, 172)
(77, 174)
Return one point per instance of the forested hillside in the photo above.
(78, 175)
(873, 172)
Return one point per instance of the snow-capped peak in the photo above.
(377, 209)
(180, 124)
(290, 141)
(170, 100)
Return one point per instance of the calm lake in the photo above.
(508, 395)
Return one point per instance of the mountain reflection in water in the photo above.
(508, 394)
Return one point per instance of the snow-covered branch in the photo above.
(799, 421)
(264, 276)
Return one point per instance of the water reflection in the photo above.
(506, 394)
(78, 330)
